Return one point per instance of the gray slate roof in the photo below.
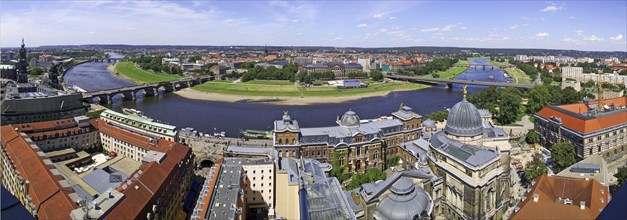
(406, 113)
(470, 155)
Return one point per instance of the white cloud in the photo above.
(449, 27)
(341, 37)
(593, 38)
(552, 8)
(362, 25)
(617, 38)
(462, 28)
(446, 28)
(300, 33)
(430, 29)
(513, 27)
(378, 16)
(392, 18)
(578, 33)
(572, 18)
(295, 20)
(542, 35)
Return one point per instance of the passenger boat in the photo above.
(130, 111)
(256, 134)
(78, 89)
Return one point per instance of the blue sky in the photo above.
(580, 25)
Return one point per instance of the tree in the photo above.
(621, 175)
(539, 97)
(376, 75)
(439, 116)
(36, 71)
(337, 170)
(570, 96)
(535, 168)
(563, 154)
(372, 175)
(392, 161)
(508, 108)
(532, 137)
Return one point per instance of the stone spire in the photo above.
(22, 65)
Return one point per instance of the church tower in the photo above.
(22, 65)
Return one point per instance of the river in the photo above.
(231, 117)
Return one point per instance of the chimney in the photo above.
(536, 197)
(582, 205)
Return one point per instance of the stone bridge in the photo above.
(105, 60)
(150, 89)
(450, 82)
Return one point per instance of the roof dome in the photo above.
(464, 120)
(405, 202)
(349, 119)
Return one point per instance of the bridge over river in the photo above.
(450, 82)
(149, 89)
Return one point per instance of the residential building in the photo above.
(49, 185)
(77, 133)
(218, 70)
(558, 197)
(140, 124)
(590, 130)
(29, 175)
(569, 72)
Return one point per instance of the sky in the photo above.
(578, 25)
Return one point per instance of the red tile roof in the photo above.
(49, 197)
(549, 188)
(151, 182)
(571, 116)
(45, 125)
(130, 137)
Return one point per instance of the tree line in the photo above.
(437, 65)
(154, 64)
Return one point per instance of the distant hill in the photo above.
(401, 50)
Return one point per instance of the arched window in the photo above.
(280, 141)
(293, 153)
(280, 153)
(294, 141)
(287, 153)
(341, 160)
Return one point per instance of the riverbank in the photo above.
(192, 93)
(128, 70)
(516, 74)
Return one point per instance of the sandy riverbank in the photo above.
(193, 94)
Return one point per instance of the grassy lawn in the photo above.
(518, 76)
(452, 72)
(139, 76)
(288, 89)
